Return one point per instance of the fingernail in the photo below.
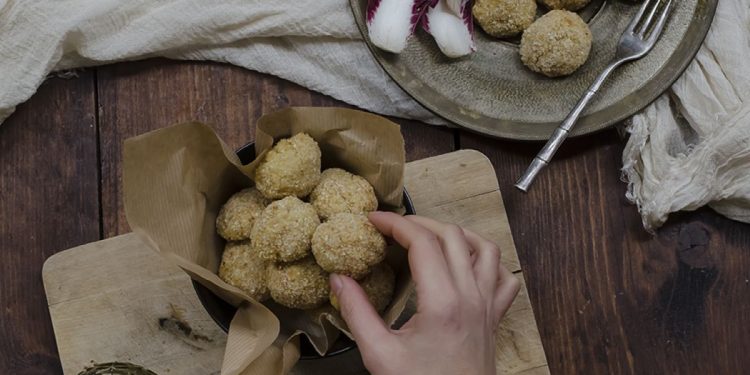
(336, 283)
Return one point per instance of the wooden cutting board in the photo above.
(117, 300)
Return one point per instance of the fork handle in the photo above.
(561, 133)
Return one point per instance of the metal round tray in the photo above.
(492, 93)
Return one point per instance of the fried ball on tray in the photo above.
(241, 268)
(238, 215)
(340, 191)
(291, 167)
(299, 285)
(556, 44)
(348, 244)
(378, 286)
(284, 229)
(504, 18)
(572, 5)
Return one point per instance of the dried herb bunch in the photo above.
(116, 368)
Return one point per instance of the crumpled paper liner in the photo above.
(176, 180)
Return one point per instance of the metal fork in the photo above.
(637, 40)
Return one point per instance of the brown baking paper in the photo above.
(176, 180)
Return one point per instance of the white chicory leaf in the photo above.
(390, 23)
(453, 32)
(457, 6)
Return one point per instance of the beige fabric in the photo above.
(677, 158)
(692, 146)
(314, 43)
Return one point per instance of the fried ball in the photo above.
(565, 4)
(378, 286)
(283, 231)
(504, 18)
(238, 215)
(556, 44)
(340, 191)
(299, 285)
(348, 244)
(240, 267)
(291, 167)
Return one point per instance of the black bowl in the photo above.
(222, 312)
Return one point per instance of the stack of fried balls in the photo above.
(297, 225)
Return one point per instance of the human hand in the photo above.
(462, 293)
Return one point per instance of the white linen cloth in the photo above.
(311, 42)
(317, 45)
(691, 147)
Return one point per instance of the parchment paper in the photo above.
(176, 180)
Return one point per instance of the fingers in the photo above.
(364, 322)
(507, 289)
(438, 265)
(456, 250)
(486, 264)
(426, 262)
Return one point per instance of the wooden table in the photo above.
(609, 297)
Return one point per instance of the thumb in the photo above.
(363, 321)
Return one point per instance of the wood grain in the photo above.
(135, 98)
(609, 297)
(49, 202)
(453, 191)
(109, 299)
(117, 300)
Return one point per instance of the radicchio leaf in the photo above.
(458, 6)
(390, 23)
(453, 33)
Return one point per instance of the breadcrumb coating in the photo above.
(241, 268)
(556, 44)
(284, 230)
(237, 217)
(291, 167)
(504, 18)
(299, 285)
(378, 286)
(340, 191)
(348, 244)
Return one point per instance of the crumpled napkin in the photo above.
(314, 43)
(691, 147)
(686, 150)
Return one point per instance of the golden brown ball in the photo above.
(299, 285)
(284, 230)
(348, 244)
(340, 191)
(237, 217)
(291, 167)
(241, 268)
(556, 44)
(378, 286)
(504, 18)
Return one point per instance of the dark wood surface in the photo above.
(609, 298)
(49, 202)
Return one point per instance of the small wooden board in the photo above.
(117, 300)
